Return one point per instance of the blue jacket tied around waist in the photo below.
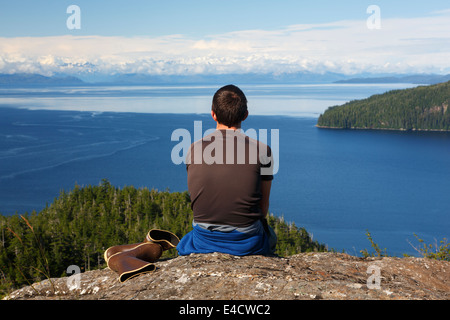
(235, 241)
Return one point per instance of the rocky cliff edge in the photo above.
(216, 276)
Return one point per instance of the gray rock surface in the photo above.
(220, 276)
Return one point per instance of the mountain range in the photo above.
(31, 80)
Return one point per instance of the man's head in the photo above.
(230, 106)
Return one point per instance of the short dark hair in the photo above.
(230, 105)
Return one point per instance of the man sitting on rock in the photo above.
(229, 179)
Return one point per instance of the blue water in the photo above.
(335, 183)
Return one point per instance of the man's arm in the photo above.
(265, 190)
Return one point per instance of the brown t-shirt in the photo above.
(225, 170)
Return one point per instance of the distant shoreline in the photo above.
(387, 129)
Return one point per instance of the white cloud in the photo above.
(401, 45)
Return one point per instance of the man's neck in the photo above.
(224, 127)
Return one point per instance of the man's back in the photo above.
(229, 179)
(224, 178)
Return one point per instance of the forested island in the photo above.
(419, 108)
(81, 224)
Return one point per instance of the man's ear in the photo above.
(213, 115)
(246, 115)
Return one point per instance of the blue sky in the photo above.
(194, 18)
(220, 37)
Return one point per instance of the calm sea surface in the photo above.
(335, 183)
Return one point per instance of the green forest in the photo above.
(82, 223)
(419, 108)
